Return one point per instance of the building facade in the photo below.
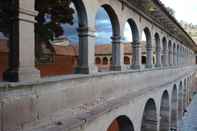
(141, 97)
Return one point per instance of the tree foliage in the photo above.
(171, 11)
(52, 13)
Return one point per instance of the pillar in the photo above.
(149, 61)
(117, 53)
(22, 43)
(165, 57)
(87, 40)
(158, 56)
(136, 55)
(171, 56)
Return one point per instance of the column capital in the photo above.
(136, 45)
(86, 31)
(116, 39)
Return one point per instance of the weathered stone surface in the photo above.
(16, 112)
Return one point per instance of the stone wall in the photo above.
(26, 105)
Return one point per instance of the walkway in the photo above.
(190, 118)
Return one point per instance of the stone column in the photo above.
(22, 43)
(117, 53)
(136, 55)
(158, 56)
(149, 61)
(175, 58)
(165, 57)
(171, 56)
(87, 40)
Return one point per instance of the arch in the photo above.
(164, 112)
(105, 61)
(178, 53)
(144, 59)
(174, 108)
(164, 56)
(122, 123)
(113, 18)
(184, 95)
(149, 120)
(148, 48)
(81, 11)
(180, 101)
(134, 30)
(170, 52)
(174, 54)
(98, 60)
(157, 40)
(126, 60)
(158, 49)
(148, 36)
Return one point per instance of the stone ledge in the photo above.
(5, 86)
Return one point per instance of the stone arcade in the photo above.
(142, 98)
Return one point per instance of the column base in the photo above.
(135, 67)
(158, 65)
(173, 129)
(86, 70)
(21, 74)
(149, 66)
(116, 68)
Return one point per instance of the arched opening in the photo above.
(147, 48)
(105, 61)
(174, 108)
(127, 60)
(154, 60)
(131, 37)
(98, 60)
(180, 101)
(164, 54)
(149, 120)
(177, 57)
(174, 54)
(58, 39)
(164, 112)
(185, 96)
(170, 53)
(188, 92)
(143, 60)
(122, 123)
(157, 51)
(107, 31)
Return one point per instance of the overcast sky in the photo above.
(185, 10)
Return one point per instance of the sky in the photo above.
(185, 10)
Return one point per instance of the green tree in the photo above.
(171, 11)
(52, 13)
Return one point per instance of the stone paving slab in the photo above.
(190, 119)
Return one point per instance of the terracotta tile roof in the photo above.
(107, 49)
(3, 47)
(72, 50)
(66, 50)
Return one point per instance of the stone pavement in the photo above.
(189, 122)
